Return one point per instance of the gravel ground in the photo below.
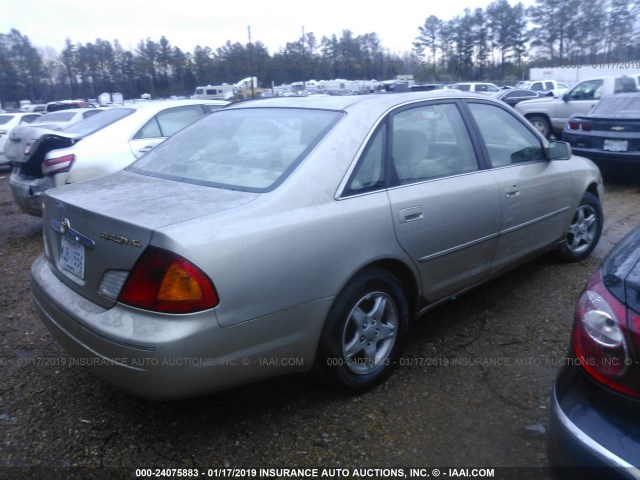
(472, 390)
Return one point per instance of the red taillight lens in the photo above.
(57, 165)
(586, 126)
(165, 282)
(600, 338)
(574, 125)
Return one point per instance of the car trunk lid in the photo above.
(27, 147)
(95, 231)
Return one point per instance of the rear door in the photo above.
(445, 208)
(163, 125)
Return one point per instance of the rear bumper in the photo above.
(594, 433)
(164, 357)
(27, 193)
(604, 158)
(4, 160)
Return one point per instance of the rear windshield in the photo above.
(251, 149)
(98, 122)
(619, 106)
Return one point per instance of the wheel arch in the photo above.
(538, 114)
(404, 273)
(593, 188)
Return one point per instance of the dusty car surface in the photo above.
(288, 234)
(596, 399)
(96, 146)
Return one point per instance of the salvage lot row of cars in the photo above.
(241, 237)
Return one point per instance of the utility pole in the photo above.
(253, 92)
(304, 82)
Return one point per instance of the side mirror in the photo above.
(559, 150)
(565, 97)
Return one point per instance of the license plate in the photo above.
(616, 145)
(72, 257)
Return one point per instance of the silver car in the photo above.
(286, 235)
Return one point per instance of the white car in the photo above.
(98, 146)
(8, 121)
(64, 118)
(476, 87)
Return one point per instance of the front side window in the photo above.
(430, 141)
(249, 149)
(588, 90)
(507, 139)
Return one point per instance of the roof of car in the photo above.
(162, 104)
(345, 102)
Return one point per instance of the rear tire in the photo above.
(364, 332)
(584, 231)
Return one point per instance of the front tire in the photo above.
(364, 332)
(584, 231)
(541, 124)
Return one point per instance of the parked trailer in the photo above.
(573, 74)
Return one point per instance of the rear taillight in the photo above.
(56, 165)
(29, 145)
(165, 282)
(601, 339)
(586, 126)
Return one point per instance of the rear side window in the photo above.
(507, 139)
(370, 173)
(29, 118)
(250, 149)
(5, 119)
(430, 141)
(90, 113)
(624, 85)
(170, 121)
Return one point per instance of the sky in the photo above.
(187, 23)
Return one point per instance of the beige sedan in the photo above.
(285, 235)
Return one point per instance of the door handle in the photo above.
(146, 149)
(512, 191)
(410, 214)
